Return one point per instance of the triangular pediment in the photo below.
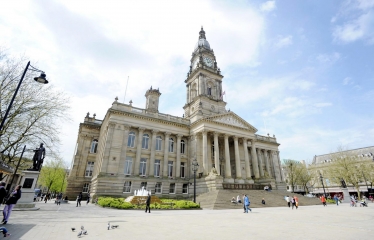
(232, 119)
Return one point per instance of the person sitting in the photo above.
(238, 200)
(266, 188)
(233, 200)
(263, 201)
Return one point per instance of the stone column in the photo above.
(121, 164)
(205, 153)
(280, 167)
(166, 155)
(108, 145)
(237, 159)
(260, 162)
(178, 164)
(267, 165)
(254, 160)
(227, 157)
(138, 152)
(246, 158)
(153, 150)
(276, 166)
(216, 153)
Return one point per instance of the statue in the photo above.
(213, 172)
(38, 158)
(343, 183)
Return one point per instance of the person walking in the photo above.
(79, 199)
(323, 200)
(288, 201)
(296, 202)
(148, 204)
(9, 204)
(293, 202)
(2, 192)
(88, 198)
(336, 200)
(246, 204)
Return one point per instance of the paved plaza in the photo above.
(309, 222)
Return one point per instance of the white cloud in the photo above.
(283, 41)
(357, 22)
(347, 81)
(328, 58)
(323, 104)
(268, 6)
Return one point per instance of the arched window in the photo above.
(145, 141)
(158, 143)
(94, 146)
(171, 145)
(182, 146)
(131, 140)
(209, 89)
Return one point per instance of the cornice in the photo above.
(134, 115)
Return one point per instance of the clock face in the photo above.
(208, 61)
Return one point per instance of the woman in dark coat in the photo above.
(9, 204)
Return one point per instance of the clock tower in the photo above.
(204, 83)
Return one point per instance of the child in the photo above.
(4, 231)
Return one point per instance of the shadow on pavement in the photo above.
(18, 230)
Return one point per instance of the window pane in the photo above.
(128, 165)
(182, 146)
(143, 166)
(172, 188)
(185, 188)
(157, 168)
(145, 141)
(182, 169)
(158, 143)
(170, 168)
(131, 139)
(127, 186)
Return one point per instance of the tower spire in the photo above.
(202, 33)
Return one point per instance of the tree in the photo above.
(347, 168)
(36, 113)
(293, 172)
(305, 177)
(53, 175)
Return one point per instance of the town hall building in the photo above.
(136, 147)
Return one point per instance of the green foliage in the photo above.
(119, 203)
(53, 175)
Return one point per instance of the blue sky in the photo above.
(301, 70)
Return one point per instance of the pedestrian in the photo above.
(263, 201)
(148, 204)
(336, 200)
(2, 192)
(296, 202)
(46, 198)
(246, 203)
(9, 204)
(79, 199)
(58, 198)
(293, 202)
(323, 200)
(88, 198)
(4, 231)
(288, 201)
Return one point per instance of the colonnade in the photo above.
(264, 162)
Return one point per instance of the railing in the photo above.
(266, 138)
(130, 108)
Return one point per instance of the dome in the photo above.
(202, 43)
(202, 40)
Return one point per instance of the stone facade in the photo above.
(134, 147)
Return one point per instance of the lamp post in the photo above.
(40, 79)
(195, 167)
(366, 182)
(320, 177)
(15, 171)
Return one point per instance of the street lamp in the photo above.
(40, 79)
(15, 171)
(195, 167)
(320, 177)
(366, 182)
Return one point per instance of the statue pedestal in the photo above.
(347, 197)
(28, 183)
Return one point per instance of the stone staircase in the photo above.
(221, 199)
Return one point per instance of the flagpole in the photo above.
(124, 99)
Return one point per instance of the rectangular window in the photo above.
(128, 165)
(145, 141)
(143, 166)
(89, 169)
(171, 145)
(172, 188)
(86, 187)
(131, 140)
(182, 146)
(185, 188)
(158, 143)
(127, 187)
(157, 167)
(158, 187)
(170, 169)
(182, 169)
